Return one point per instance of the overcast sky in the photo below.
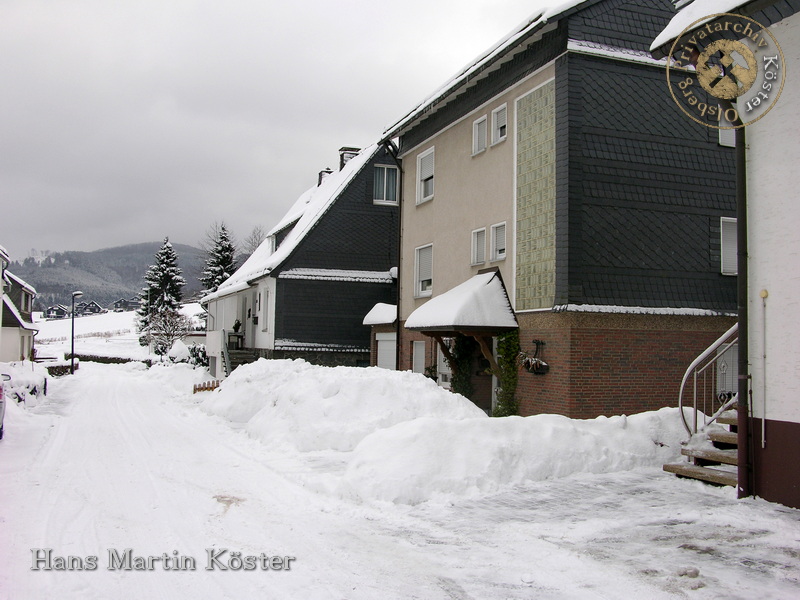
(129, 120)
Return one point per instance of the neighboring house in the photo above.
(58, 311)
(769, 438)
(304, 292)
(18, 328)
(123, 304)
(558, 161)
(88, 308)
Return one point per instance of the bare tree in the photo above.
(166, 327)
(253, 241)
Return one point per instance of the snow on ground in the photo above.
(106, 334)
(121, 456)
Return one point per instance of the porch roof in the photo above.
(480, 304)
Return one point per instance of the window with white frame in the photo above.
(479, 246)
(499, 124)
(479, 136)
(424, 271)
(728, 246)
(498, 242)
(425, 176)
(384, 187)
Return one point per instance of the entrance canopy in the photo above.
(479, 305)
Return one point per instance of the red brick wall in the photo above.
(609, 364)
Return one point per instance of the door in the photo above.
(387, 350)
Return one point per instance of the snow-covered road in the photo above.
(119, 458)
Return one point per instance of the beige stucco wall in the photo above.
(471, 192)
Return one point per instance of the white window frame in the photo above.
(497, 136)
(728, 246)
(493, 254)
(478, 256)
(479, 135)
(419, 292)
(421, 197)
(383, 201)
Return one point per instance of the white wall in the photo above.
(774, 242)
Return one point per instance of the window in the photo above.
(479, 136)
(384, 187)
(418, 357)
(729, 247)
(425, 176)
(424, 271)
(498, 251)
(479, 246)
(499, 124)
(265, 312)
(727, 137)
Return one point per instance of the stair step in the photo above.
(728, 420)
(728, 457)
(724, 437)
(707, 474)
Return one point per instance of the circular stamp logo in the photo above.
(727, 73)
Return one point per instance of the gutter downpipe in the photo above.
(393, 151)
(745, 469)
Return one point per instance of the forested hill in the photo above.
(103, 275)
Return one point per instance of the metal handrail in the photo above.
(693, 371)
(226, 358)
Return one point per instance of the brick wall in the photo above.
(608, 364)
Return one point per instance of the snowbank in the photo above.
(293, 404)
(429, 458)
(27, 384)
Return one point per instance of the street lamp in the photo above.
(72, 354)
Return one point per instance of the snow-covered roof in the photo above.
(698, 10)
(338, 275)
(26, 286)
(381, 314)
(310, 207)
(4, 255)
(490, 57)
(479, 303)
(11, 307)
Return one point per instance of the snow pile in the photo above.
(435, 458)
(179, 352)
(28, 381)
(293, 404)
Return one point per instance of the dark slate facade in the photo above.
(640, 187)
(355, 234)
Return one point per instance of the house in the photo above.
(5, 260)
(124, 304)
(556, 174)
(768, 422)
(88, 308)
(57, 311)
(16, 342)
(304, 292)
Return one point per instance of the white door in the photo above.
(387, 350)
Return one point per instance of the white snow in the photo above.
(640, 310)
(324, 465)
(699, 10)
(337, 275)
(381, 314)
(481, 301)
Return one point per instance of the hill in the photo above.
(103, 275)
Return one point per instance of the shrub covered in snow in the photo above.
(27, 383)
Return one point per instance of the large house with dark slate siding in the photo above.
(304, 292)
(559, 161)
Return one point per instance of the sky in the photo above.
(129, 121)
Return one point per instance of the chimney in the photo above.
(322, 175)
(345, 154)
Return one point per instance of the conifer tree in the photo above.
(163, 286)
(220, 261)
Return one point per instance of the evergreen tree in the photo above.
(163, 286)
(220, 263)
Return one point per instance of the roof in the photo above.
(306, 211)
(381, 314)
(4, 255)
(22, 323)
(479, 304)
(20, 282)
(700, 12)
(489, 60)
